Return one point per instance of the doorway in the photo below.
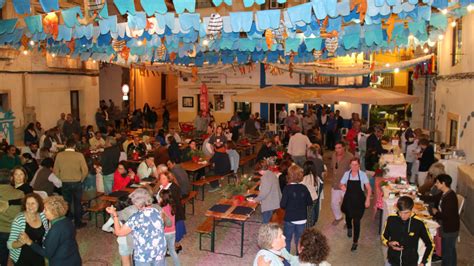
(244, 109)
(74, 95)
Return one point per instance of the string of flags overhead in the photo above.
(303, 33)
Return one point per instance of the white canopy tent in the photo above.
(369, 96)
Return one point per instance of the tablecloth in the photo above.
(451, 168)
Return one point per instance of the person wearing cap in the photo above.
(402, 233)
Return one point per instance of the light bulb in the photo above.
(444, 11)
(387, 65)
(32, 42)
(25, 52)
(470, 8)
(396, 70)
(53, 55)
(93, 61)
(426, 50)
(453, 24)
(441, 37)
(205, 42)
(139, 43)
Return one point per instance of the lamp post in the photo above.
(125, 91)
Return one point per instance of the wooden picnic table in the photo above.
(231, 217)
(191, 166)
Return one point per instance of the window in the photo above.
(388, 80)
(4, 103)
(457, 43)
(75, 105)
(452, 129)
(310, 79)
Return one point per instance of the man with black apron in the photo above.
(355, 201)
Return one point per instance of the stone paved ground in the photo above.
(99, 248)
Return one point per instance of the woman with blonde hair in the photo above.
(295, 201)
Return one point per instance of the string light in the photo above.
(453, 24)
(441, 37)
(205, 42)
(387, 65)
(140, 43)
(53, 55)
(25, 52)
(396, 70)
(32, 42)
(470, 8)
(444, 11)
(93, 61)
(426, 50)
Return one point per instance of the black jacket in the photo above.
(59, 245)
(221, 163)
(265, 152)
(448, 212)
(407, 233)
(427, 159)
(109, 159)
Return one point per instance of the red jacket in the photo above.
(351, 138)
(122, 182)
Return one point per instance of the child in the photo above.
(169, 209)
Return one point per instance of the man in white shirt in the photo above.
(172, 132)
(282, 115)
(147, 168)
(32, 149)
(297, 147)
(97, 142)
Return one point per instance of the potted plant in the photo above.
(280, 150)
(237, 190)
(196, 155)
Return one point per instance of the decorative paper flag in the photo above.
(181, 5)
(49, 5)
(154, 6)
(22, 7)
(125, 6)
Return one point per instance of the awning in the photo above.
(282, 95)
(369, 96)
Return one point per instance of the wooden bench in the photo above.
(205, 229)
(98, 208)
(245, 160)
(189, 199)
(203, 182)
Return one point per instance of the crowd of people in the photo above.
(47, 181)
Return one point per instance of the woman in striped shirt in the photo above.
(33, 222)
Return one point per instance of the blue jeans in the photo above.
(108, 183)
(448, 249)
(89, 183)
(72, 193)
(267, 216)
(4, 252)
(290, 229)
(170, 240)
(299, 160)
(161, 262)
